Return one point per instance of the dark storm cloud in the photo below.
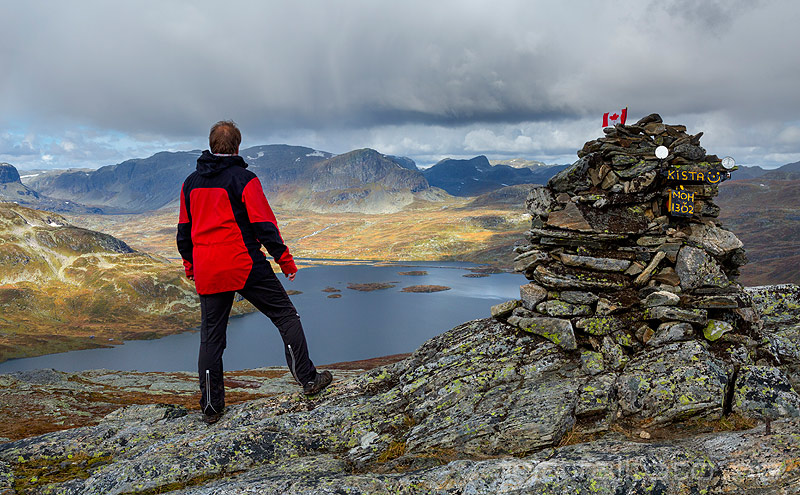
(167, 70)
(716, 15)
(166, 66)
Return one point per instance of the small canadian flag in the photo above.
(613, 118)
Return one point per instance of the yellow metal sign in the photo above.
(707, 176)
(680, 203)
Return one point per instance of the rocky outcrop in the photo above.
(483, 408)
(779, 308)
(8, 173)
(403, 161)
(46, 400)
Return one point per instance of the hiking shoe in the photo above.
(212, 418)
(319, 382)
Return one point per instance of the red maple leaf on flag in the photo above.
(610, 119)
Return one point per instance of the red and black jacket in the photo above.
(224, 221)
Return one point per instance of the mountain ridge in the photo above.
(367, 181)
(790, 171)
(146, 184)
(476, 176)
(14, 191)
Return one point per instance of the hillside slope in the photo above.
(64, 287)
(765, 215)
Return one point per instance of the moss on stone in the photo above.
(32, 474)
(600, 325)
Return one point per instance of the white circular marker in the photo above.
(728, 162)
(662, 152)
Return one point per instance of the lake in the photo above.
(358, 325)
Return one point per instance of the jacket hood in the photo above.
(209, 164)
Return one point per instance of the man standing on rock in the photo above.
(224, 221)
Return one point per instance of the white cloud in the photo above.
(790, 136)
(485, 139)
(783, 157)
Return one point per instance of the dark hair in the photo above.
(225, 137)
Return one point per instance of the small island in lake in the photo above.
(368, 287)
(425, 288)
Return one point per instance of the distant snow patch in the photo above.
(317, 232)
(317, 153)
(29, 175)
(258, 155)
(53, 224)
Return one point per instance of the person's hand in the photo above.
(190, 277)
(290, 276)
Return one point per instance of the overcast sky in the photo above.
(86, 83)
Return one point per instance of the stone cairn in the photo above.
(611, 269)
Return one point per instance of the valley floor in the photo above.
(448, 230)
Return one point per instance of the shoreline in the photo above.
(108, 339)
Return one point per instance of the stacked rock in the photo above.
(625, 249)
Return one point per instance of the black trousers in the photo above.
(268, 295)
